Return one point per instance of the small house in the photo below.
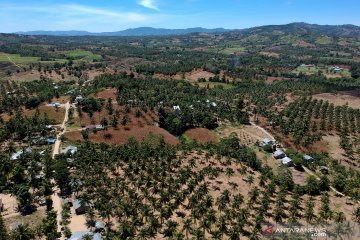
(54, 105)
(95, 127)
(79, 98)
(286, 161)
(70, 150)
(16, 156)
(81, 234)
(267, 141)
(176, 108)
(324, 169)
(80, 207)
(51, 141)
(49, 127)
(99, 226)
(279, 154)
(308, 158)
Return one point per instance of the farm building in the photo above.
(81, 234)
(80, 207)
(308, 158)
(54, 105)
(79, 98)
(286, 161)
(324, 169)
(51, 141)
(279, 154)
(95, 127)
(267, 141)
(17, 155)
(70, 149)
(99, 226)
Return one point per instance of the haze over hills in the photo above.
(291, 28)
(141, 31)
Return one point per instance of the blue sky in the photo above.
(114, 15)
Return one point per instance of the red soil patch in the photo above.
(148, 118)
(107, 93)
(120, 136)
(196, 74)
(201, 135)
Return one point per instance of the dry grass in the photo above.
(55, 115)
(201, 135)
(107, 93)
(352, 98)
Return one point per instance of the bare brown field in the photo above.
(55, 115)
(201, 135)
(196, 74)
(107, 93)
(121, 135)
(352, 98)
(148, 118)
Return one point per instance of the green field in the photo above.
(16, 58)
(308, 69)
(324, 40)
(20, 60)
(81, 55)
(216, 84)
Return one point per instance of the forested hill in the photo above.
(305, 28)
(292, 28)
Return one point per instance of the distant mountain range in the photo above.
(141, 31)
(292, 28)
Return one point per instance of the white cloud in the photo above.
(148, 4)
(69, 16)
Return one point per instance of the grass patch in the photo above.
(324, 40)
(16, 58)
(81, 55)
(216, 85)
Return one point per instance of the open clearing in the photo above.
(195, 75)
(120, 136)
(201, 135)
(352, 98)
(81, 55)
(107, 93)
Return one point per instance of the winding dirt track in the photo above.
(55, 197)
(12, 62)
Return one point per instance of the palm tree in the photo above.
(3, 230)
(356, 215)
(22, 232)
(187, 227)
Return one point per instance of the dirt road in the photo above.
(57, 144)
(13, 62)
(55, 196)
(263, 130)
